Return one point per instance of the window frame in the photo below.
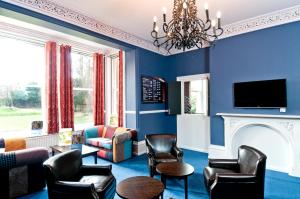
(189, 78)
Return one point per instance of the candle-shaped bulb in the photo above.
(164, 10)
(206, 12)
(206, 6)
(213, 23)
(219, 14)
(156, 28)
(219, 19)
(155, 19)
(184, 5)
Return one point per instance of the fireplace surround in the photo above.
(278, 136)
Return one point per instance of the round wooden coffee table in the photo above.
(178, 170)
(141, 187)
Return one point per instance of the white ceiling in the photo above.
(135, 16)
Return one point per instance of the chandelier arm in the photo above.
(154, 34)
(185, 30)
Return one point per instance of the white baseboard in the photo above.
(141, 147)
(202, 150)
(216, 151)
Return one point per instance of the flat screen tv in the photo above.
(260, 94)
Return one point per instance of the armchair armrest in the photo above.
(150, 152)
(75, 189)
(233, 185)
(95, 169)
(224, 163)
(177, 151)
(235, 177)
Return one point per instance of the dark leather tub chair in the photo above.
(241, 178)
(68, 178)
(161, 148)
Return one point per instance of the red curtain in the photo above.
(121, 86)
(66, 88)
(98, 94)
(51, 89)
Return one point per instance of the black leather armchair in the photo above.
(66, 177)
(237, 178)
(161, 148)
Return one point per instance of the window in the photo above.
(21, 82)
(82, 74)
(112, 89)
(194, 94)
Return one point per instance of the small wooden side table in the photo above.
(141, 187)
(178, 170)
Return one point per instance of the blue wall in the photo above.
(188, 63)
(155, 65)
(266, 54)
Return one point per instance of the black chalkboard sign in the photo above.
(153, 89)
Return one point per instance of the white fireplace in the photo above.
(278, 136)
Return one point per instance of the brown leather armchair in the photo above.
(237, 178)
(66, 177)
(161, 148)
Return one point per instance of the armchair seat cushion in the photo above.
(100, 142)
(165, 157)
(210, 174)
(101, 182)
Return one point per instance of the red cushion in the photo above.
(110, 131)
(100, 130)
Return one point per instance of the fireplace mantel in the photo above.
(276, 135)
(259, 115)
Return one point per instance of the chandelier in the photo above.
(185, 30)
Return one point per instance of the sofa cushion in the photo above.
(100, 130)
(109, 132)
(100, 181)
(2, 143)
(165, 157)
(210, 174)
(100, 142)
(91, 132)
(14, 144)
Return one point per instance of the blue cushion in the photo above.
(2, 143)
(91, 132)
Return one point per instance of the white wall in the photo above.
(193, 132)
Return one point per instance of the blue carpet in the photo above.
(278, 185)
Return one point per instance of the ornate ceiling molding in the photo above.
(65, 14)
(261, 22)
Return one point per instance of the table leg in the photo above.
(163, 180)
(53, 153)
(186, 187)
(95, 156)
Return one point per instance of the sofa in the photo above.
(68, 178)
(21, 169)
(114, 143)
